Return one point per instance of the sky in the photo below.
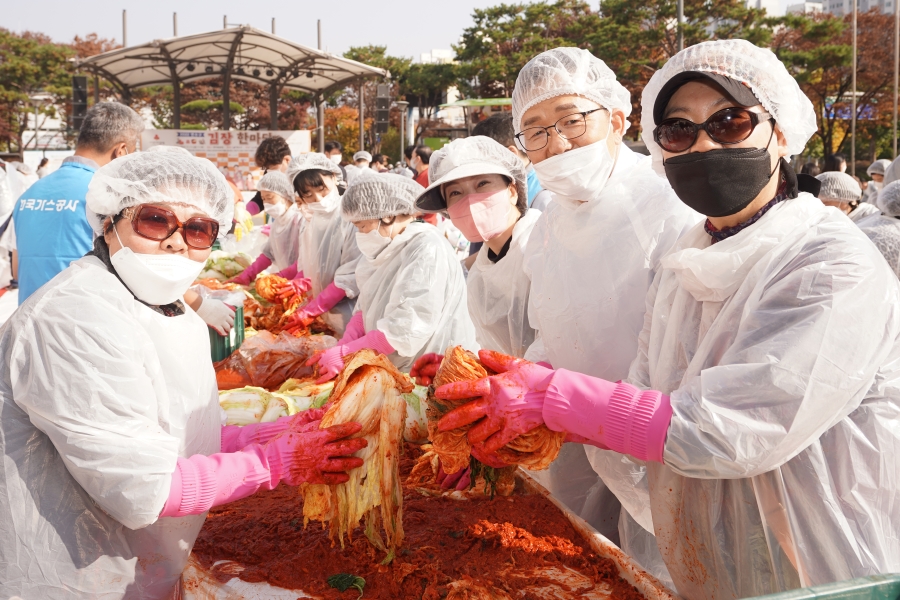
(406, 28)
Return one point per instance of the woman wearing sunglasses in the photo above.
(111, 431)
(769, 426)
(328, 254)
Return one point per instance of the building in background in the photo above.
(805, 8)
(437, 56)
(772, 7)
(843, 7)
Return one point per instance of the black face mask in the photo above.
(720, 182)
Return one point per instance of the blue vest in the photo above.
(533, 185)
(51, 225)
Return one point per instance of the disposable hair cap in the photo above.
(162, 174)
(757, 68)
(567, 71)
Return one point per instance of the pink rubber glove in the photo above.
(355, 329)
(295, 287)
(236, 437)
(319, 305)
(331, 361)
(426, 367)
(290, 273)
(455, 481)
(508, 405)
(304, 455)
(259, 265)
(617, 416)
(252, 208)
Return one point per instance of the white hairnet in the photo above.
(379, 195)
(838, 186)
(277, 182)
(310, 161)
(564, 71)
(892, 172)
(757, 68)
(465, 157)
(362, 154)
(878, 167)
(161, 174)
(889, 199)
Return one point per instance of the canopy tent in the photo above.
(244, 53)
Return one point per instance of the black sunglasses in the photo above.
(727, 126)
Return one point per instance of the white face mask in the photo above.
(578, 175)
(156, 279)
(876, 185)
(276, 211)
(324, 206)
(337, 158)
(373, 243)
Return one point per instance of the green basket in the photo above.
(876, 587)
(223, 345)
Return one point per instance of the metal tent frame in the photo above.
(244, 53)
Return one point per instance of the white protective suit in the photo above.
(591, 265)
(283, 245)
(780, 467)
(328, 253)
(498, 294)
(414, 292)
(100, 396)
(883, 231)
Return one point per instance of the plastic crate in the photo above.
(223, 345)
(876, 587)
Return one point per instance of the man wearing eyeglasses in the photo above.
(594, 252)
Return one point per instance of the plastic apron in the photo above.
(414, 292)
(498, 294)
(282, 247)
(779, 349)
(100, 396)
(883, 231)
(327, 254)
(591, 265)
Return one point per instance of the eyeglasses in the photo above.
(727, 126)
(158, 224)
(569, 128)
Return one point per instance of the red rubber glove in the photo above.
(312, 455)
(508, 405)
(294, 287)
(426, 367)
(246, 276)
(290, 272)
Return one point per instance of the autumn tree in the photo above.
(30, 63)
(817, 50)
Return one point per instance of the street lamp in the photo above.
(402, 105)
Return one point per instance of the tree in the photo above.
(818, 52)
(29, 63)
(376, 56)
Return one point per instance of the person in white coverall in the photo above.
(328, 254)
(592, 255)
(768, 425)
(412, 293)
(841, 191)
(111, 432)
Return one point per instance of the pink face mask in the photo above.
(481, 217)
